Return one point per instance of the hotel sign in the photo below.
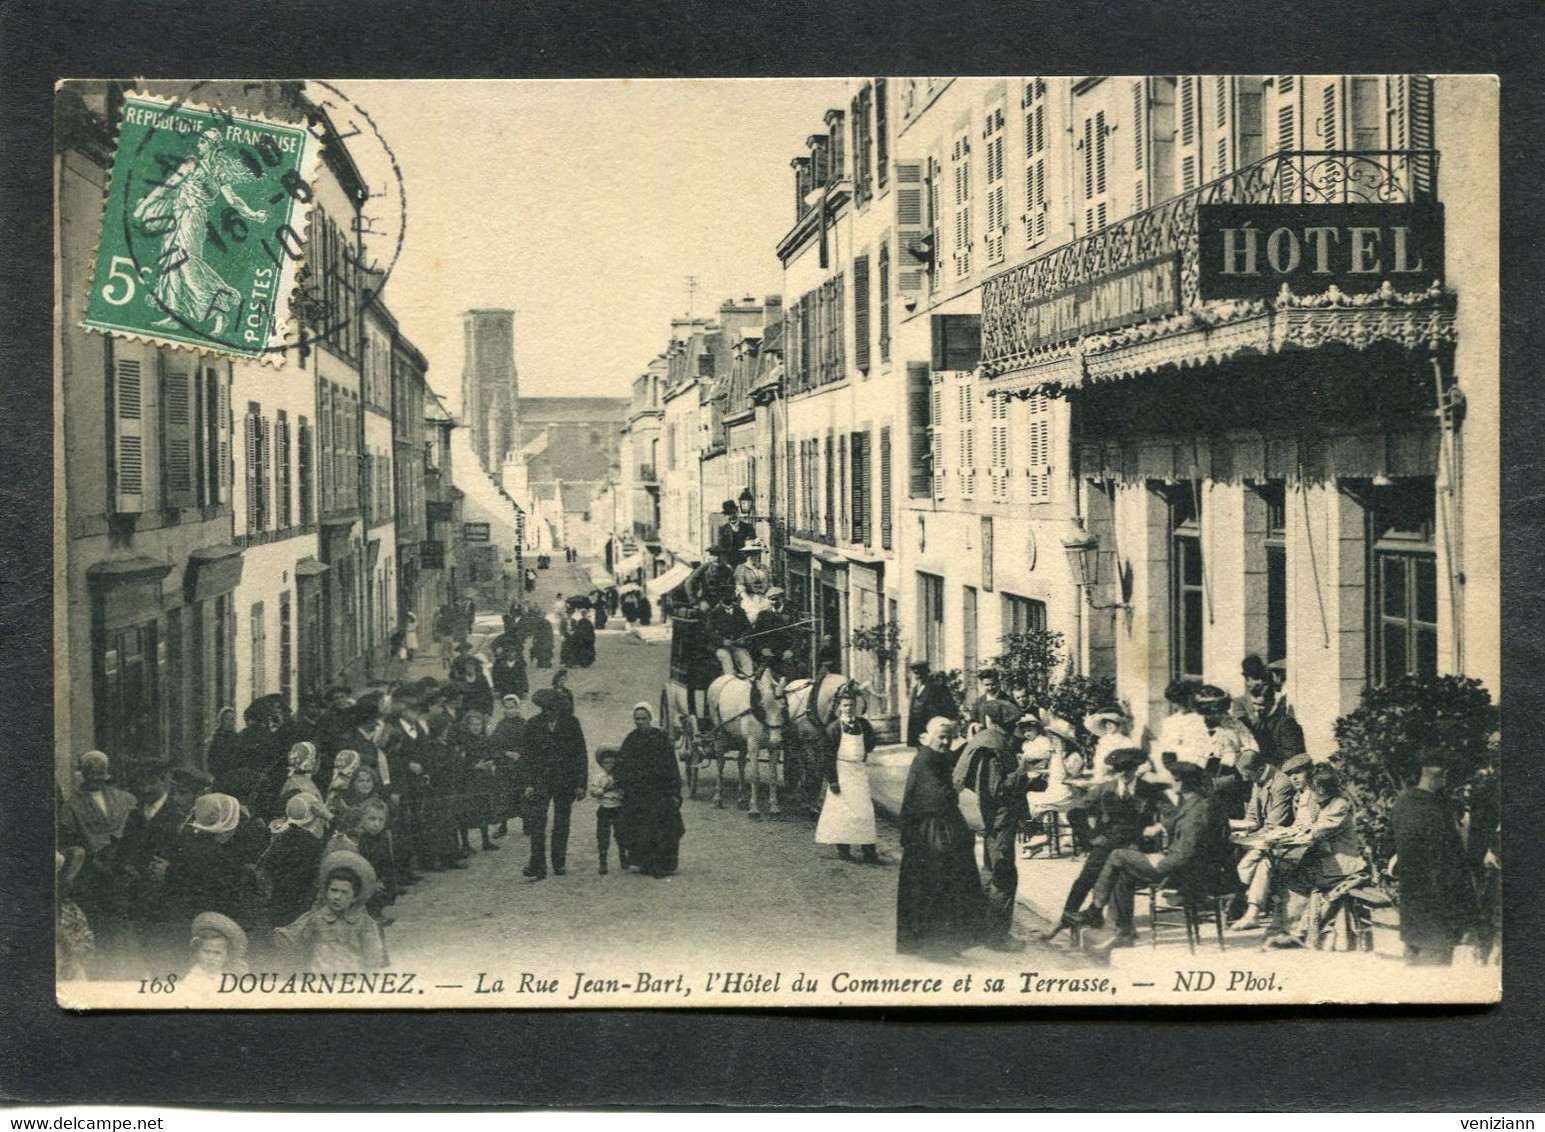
(1248, 251)
(1146, 291)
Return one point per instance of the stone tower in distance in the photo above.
(490, 389)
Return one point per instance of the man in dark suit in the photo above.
(1198, 833)
(553, 772)
(931, 696)
(1122, 810)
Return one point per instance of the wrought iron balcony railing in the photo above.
(1289, 177)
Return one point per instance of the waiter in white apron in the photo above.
(847, 813)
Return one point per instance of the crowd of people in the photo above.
(1222, 804)
(290, 851)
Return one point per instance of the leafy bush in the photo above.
(1377, 744)
(1030, 659)
(1033, 659)
(883, 640)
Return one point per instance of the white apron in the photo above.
(848, 818)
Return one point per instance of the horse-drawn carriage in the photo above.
(767, 719)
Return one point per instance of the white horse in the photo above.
(806, 722)
(736, 727)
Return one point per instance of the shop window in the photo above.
(1188, 598)
(1405, 581)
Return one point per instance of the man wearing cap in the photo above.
(553, 772)
(1121, 810)
(1276, 732)
(989, 765)
(931, 696)
(1270, 807)
(1197, 837)
(1437, 897)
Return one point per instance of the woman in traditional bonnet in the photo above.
(344, 766)
(210, 870)
(303, 762)
(293, 856)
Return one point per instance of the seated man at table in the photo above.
(1270, 807)
(1198, 834)
(1121, 811)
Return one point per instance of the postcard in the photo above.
(526, 544)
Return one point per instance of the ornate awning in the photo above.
(1216, 332)
(1191, 281)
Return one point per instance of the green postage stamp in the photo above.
(204, 228)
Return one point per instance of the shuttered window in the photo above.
(177, 432)
(1038, 449)
(960, 177)
(965, 398)
(303, 472)
(919, 432)
(844, 527)
(995, 227)
(253, 469)
(885, 302)
(1330, 133)
(1094, 181)
(881, 128)
(860, 475)
(885, 488)
(910, 227)
(1036, 203)
(936, 433)
(998, 469)
(861, 313)
(129, 436)
(284, 471)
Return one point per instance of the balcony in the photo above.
(647, 476)
(1012, 337)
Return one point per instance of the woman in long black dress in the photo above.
(651, 827)
(940, 906)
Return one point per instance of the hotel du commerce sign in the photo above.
(1136, 294)
(1249, 251)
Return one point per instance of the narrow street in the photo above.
(746, 892)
